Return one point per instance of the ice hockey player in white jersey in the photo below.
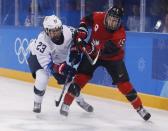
(48, 55)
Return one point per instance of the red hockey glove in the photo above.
(80, 33)
(61, 71)
(58, 68)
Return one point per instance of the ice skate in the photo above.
(37, 107)
(64, 109)
(143, 113)
(84, 105)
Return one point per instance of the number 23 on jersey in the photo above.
(41, 47)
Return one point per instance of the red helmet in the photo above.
(113, 18)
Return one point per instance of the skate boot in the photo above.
(37, 107)
(143, 113)
(84, 105)
(64, 109)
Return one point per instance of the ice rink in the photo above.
(16, 102)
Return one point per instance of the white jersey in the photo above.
(47, 51)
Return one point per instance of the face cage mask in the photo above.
(109, 28)
(57, 40)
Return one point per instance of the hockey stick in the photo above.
(57, 102)
(92, 61)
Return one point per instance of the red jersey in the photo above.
(100, 36)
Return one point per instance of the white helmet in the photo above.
(52, 22)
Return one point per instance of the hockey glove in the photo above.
(75, 55)
(60, 78)
(80, 33)
(61, 71)
(81, 43)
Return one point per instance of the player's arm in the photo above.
(113, 46)
(75, 54)
(86, 21)
(42, 53)
(61, 70)
(58, 70)
(121, 37)
(82, 31)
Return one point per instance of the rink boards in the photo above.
(146, 60)
(93, 89)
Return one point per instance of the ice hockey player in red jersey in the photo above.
(107, 36)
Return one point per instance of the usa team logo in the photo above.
(21, 49)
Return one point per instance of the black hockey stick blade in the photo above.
(58, 102)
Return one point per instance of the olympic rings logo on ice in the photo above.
(21, 49)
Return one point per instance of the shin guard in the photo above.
(74, 89)
(130, 93)
(68, 99)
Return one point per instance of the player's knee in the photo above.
(41, 80)
(74, 89)
(39, 92)
(125, 87)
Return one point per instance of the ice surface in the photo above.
(16, 103)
